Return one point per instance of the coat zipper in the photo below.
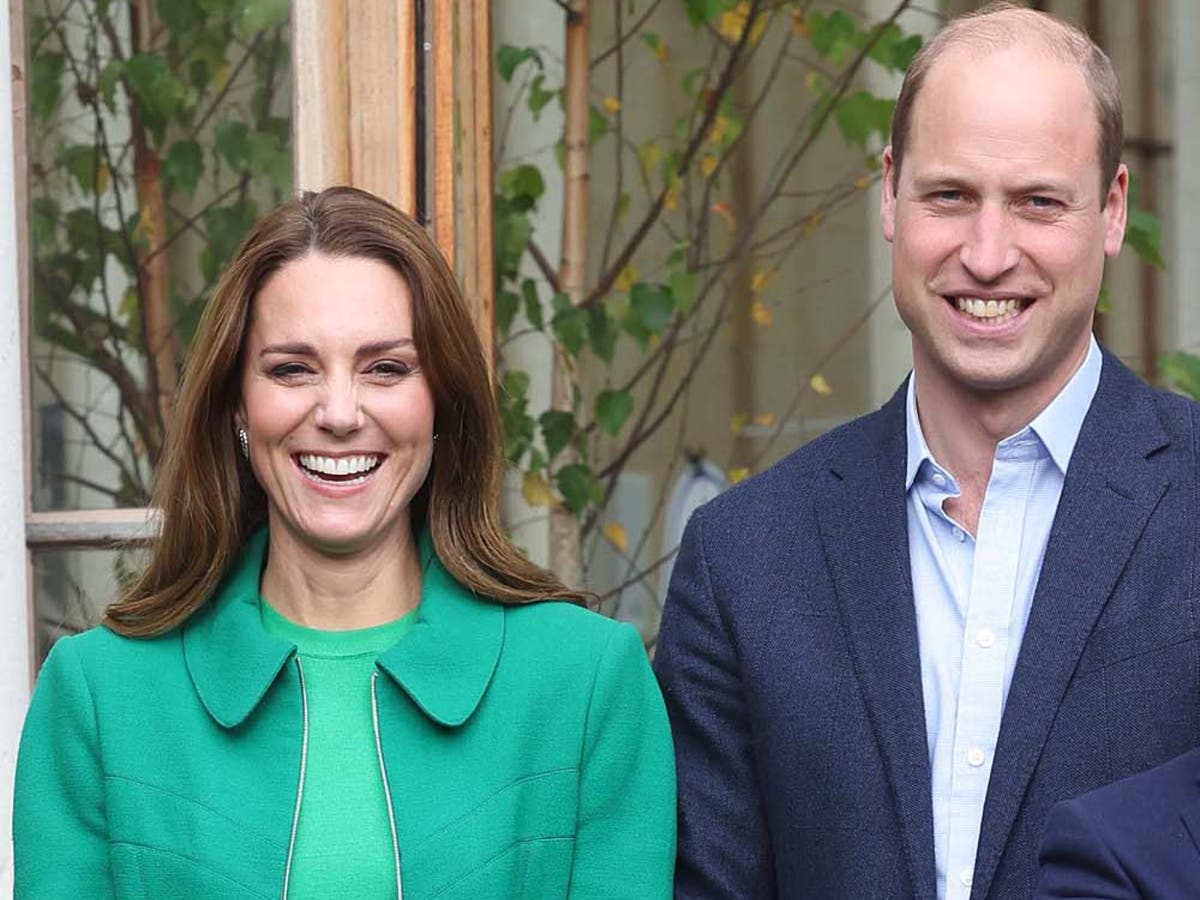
(387, 791)
(287, 871)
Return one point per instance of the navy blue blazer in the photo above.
(789, 662)
(1138, 839)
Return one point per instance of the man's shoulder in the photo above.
(792, 481)
(1161, 790)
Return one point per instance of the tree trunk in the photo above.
(566, 552)
(153, 283)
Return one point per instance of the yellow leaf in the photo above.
(708, 163)
(725, 211)
(615, 532)
(764, 420)
(800, 23)
(813, 222)
(761, 314)
(612, 105)
(820, 385)
(661, 52)
(756, 32)
(671, 200)
(760, 280)
(813, 81)
(737, 424)
(625, 280)
(862, 182)
(650, 155)
(733, 21)
(103, 178)
(720, 128)
(739, 474)
(536, 491)
(221, 76)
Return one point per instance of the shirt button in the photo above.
(985, 637)
(939, 479)
(966, 876)
(975, 757)
(959, 535)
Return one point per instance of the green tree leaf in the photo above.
(106, 84)
(1183, 371)
(508, 58)
(533, 304)
(558, 427)
(602, 332)
(255, 16)
(159, 94)
(683, 286)
(653, 305)
(523, 186)
(862, 114)
(507, 304)
(539, 96)
(613, 407)
(832, 35)
(570, 324)
(45, 86)
(701, 11)
(232, 141)
(1143, 232)
(578, 486)
(82, 161)
(183, 166)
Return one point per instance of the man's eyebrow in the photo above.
(299, 348)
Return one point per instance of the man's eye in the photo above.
(950, 196)
(1039, 202)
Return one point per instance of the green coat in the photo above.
(527, 751)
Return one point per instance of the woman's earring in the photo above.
(244, 440)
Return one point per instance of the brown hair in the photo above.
(1001, 24)
(208, 496)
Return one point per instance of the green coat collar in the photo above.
(444, 664)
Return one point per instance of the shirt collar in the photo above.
(444, 664)
(1057, 426)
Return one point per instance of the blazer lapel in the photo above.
(1108, 495)
(864, 530)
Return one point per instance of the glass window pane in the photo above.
(153, 145)
(72, 588)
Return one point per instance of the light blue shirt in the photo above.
(973, 597)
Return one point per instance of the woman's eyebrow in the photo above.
(299, 348)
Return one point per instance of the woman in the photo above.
(332, 680)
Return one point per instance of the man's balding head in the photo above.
(1001, 25)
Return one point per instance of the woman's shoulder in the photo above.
(100, 654)
(556, 630)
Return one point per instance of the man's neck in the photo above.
(962, 426)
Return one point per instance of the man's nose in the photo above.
(338, 410)
(989, 250)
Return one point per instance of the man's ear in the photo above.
(887, 196)
(1116, 211)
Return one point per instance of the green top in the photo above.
(528, 750)
(344, 839)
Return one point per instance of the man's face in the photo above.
(997, 227)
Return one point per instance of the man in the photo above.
(886, 657)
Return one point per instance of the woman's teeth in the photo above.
(994, 310)
(341, 466)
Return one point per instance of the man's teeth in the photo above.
(998, 310)
(342, 465)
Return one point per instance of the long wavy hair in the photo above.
(210, 500)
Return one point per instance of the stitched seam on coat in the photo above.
(457, 820)
(518, 843)
(195, 862)
(194, 802)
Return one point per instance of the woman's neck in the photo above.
(378, 584)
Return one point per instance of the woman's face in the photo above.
(339, 414)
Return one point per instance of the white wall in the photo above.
(15, 643)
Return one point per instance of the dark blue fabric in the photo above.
(788, 658)
(1137, 839)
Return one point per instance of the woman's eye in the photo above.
(290, 370)
(390, 369)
